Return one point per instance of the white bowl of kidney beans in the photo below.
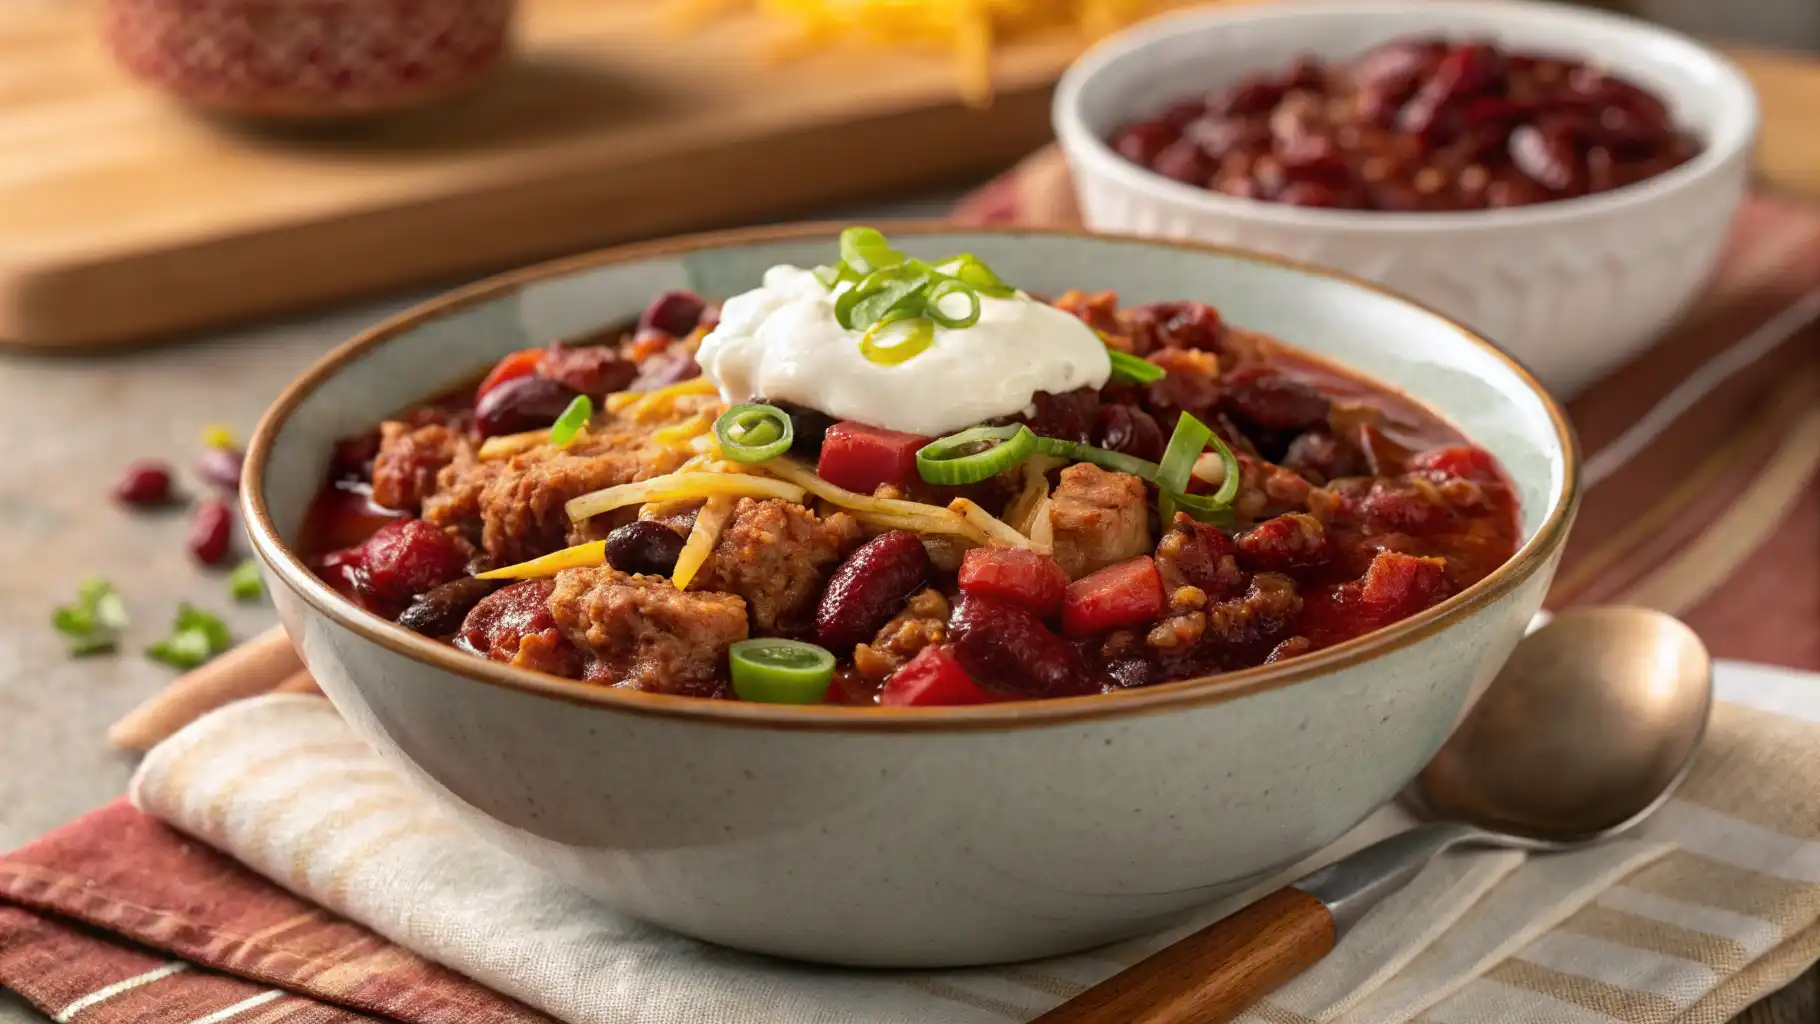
(1561, 179)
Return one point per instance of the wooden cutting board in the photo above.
(124, 218)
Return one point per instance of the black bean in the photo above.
(644, 547)
(440, 611)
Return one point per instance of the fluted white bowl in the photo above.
(1572, 288)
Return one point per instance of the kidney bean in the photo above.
(1130, 430)
(211, 532)
(645, 547)
(675, 313)
(221, 467)
(520, 404)
(869, 588)
(1269, 399)
(1397, 129)
(590, 369)
(442, 609)
(1142, 142)
(144, 482)
(1002, 644)
(407, 557)
(1184, 161)
(1548, 159)
(671, 366)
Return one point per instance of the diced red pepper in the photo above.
(1117, 597)
(1457, 460)
(521, 363)
(931, 679)
(860, 458)
(1023, 577)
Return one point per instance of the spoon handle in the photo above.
(1214, 974)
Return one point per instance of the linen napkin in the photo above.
(1715, 903)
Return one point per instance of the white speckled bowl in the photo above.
(918, 836)
(1571, 288)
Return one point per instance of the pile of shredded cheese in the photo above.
(968, 28)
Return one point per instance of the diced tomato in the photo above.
(521, 363)
(1023, 577)
(1394, 587)
(860, 458)
(932, 678)
(1457, 460)
(1117, 597)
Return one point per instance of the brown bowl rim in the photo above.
(1169, 696)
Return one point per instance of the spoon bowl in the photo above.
(1588, 729)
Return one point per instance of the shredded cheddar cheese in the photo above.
(581, 556)
(969, 29)
(673, 486)
(709, 521)
(679, 435)
(648, 406)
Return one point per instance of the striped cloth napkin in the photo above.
(1716, 902)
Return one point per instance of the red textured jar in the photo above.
(309, 58)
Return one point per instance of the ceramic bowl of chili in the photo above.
(915, 836)
(1352, 127)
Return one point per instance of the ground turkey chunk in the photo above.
(1100, 518)
(518, 502)
(409, 458)
(642, 633)
(776, 554)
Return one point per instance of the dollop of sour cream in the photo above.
(782, 342)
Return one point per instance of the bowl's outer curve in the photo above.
(868, 840)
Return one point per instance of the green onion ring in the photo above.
(754, 433)
(968, 269)
(772, 670)
(941, 461)
(1190, 439)
(932, 304)
(1105, 458)
(878, 294)
(866, 250)
(917, 334)
(1130, 369)
(569, 424)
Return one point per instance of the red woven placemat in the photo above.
(1702, 454)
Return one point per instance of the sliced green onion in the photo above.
(754, 433)
(896, 338)
(880, 293)
(952, 461)
(1130, 369)
(1190, 439)
(92, 622)
(196, 636)
(865, 250)
(1104, 458)
(569, 424)
(1185, 446)
(772, 670)
(969, 269)
(932, 304)
(244, 583)
(830, 277)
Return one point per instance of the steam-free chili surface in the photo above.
(1354, 508)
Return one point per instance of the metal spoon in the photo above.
(1587, 730)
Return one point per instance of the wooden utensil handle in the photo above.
(1214, 974)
